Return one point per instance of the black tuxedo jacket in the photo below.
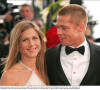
(56, 73)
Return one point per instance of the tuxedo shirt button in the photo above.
(75, 58)
(74, 72)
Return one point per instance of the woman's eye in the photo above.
(35, 38)
(24, 40)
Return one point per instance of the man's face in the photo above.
(67, 32)
(27, 13)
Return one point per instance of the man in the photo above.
(75, 61)
(27, 12)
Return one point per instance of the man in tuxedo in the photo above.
(75, 61)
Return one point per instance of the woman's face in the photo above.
(30, 44)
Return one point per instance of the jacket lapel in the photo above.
(91, 67)
(59, 69)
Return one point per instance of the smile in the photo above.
(32, 50)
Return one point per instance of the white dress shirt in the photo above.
(75, 65)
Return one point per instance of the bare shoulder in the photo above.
(8, 78)
(16, 75)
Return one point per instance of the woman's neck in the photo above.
(30, 62)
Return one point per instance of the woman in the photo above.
(25, 64)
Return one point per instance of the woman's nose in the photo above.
(31, 42)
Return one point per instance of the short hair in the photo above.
(31, 8)
(78, 14)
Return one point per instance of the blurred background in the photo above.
(14, 6)
(92, 9)
(91, 6)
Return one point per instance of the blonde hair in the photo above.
(13, 56)
(78, 14)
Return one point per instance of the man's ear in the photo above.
(81, 27)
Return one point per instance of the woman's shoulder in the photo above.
(10, 77)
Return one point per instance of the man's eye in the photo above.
(64, 28)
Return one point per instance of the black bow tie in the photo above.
(70, 50)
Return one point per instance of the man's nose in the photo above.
(59, 31)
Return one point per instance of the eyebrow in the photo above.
(61, 26)
(32, 36)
